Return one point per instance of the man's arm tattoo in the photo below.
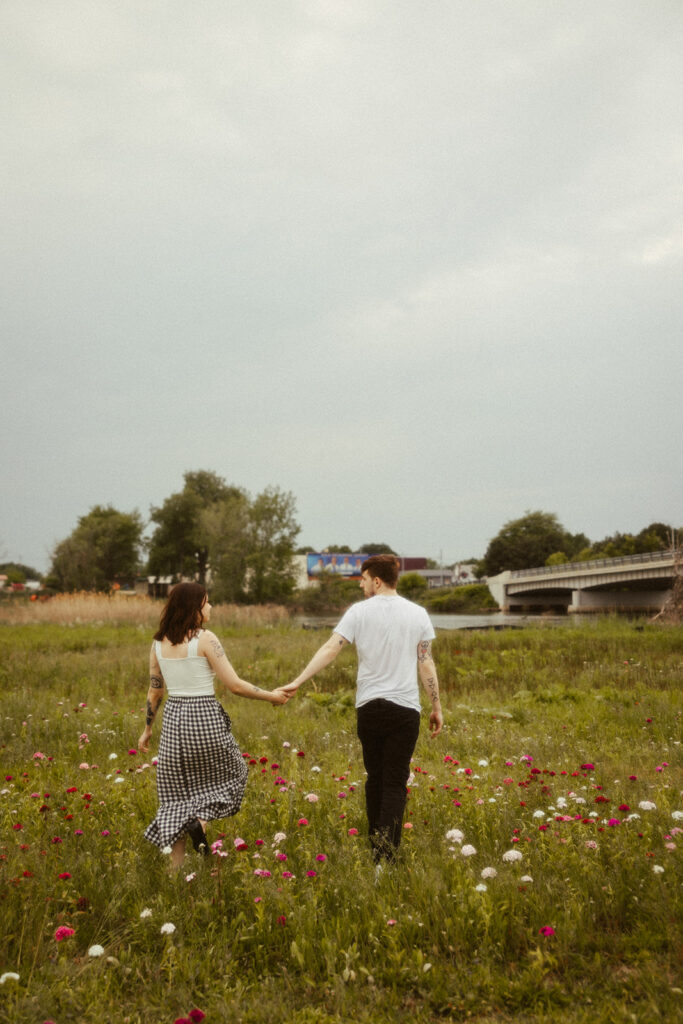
(424, 650)
(432, 689)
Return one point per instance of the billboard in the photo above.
(346, 566)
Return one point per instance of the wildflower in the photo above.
(454, 835)
(511, 855)
(352, 832)
(240, 844)
(196, 1016)
(64, 933)
(96, 950)
(191, 877)
(527, 879)
(168, 928)
(591, 844)
(300, 753)
(145, 913)
(321, 857)
(483, 763)
(480, 887)
(166, 850)
(287, 874)
(112, 757)
(538, 814)
(588, 767)
(258, 899)
(262, 873)
(282, 920)
(489, 873)
(658, 869)
(279, 837)
(647, 805)
(312, 798)
(8, 976)
(132, 751)
(468, 850)
(391, 922)
(315, 768)
(408, 825)
(281, 856)
(311, 874)
(64, 875)
(302, 822)
(546, 930)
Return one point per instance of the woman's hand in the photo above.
(143, 742)
(279, 696)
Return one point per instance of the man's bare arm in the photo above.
(430, 681)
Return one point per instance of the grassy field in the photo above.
(540, 877)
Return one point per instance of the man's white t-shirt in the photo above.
(386, 630)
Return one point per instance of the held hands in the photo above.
(280, 695)
(291, 688)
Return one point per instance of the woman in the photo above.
(201, 774)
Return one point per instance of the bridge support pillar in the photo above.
(617, 600)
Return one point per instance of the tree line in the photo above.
(243, 546)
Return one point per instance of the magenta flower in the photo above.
(302, 822)
(196, 1016)
(64, 875)
(321, 857)
(546, 930)
(311, 874)
(64, 933)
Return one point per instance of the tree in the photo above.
(376, 549)
(179, 544)
(104, 548)
(272, 534)
(17, 572)
(224, 526)
(412, 585)
(527, 542)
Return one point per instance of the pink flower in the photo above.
(322, 857)
(240, 844)
(314, 874)
(352, 832)
(39, 756)
(64, 933)
(281, 856)
(546, 930)
(287, 874)
(587, 767)
(302, 821)
(391, 922)
(312, 798)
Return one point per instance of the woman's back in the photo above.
(186, 672)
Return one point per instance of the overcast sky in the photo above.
(419, 264)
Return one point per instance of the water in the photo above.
(492, 620)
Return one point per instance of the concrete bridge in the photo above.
(637, 583)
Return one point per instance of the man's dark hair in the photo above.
(385, 567)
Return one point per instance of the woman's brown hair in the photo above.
(182, 614)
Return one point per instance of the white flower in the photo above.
(8, 976)
(454, 835)
(538, 814)
(286, 744)
(119, 778)
(647, 805)
(190, 878)
(112, 757)
(579, 800)
(561, 802)
(279, 837)
(658, 869)
(468, 851)
(512, 855)
(168, 928)
(167, 850)
(96, 950)
(481, 887)
(483, 763)
(146, 912)
(677, 815)
(489, 873)
(315, 768)
(526, 878)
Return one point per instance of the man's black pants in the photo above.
(388, 734)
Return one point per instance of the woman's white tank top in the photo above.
(186, 677)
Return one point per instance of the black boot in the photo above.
(198, 837)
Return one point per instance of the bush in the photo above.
(475, 597)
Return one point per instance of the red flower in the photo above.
(64, 875)
(64, 933)
(282, 920)
(300, 753)
(546, 930)
(196, 1016)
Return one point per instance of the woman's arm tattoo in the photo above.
(156, 682)
(217, 648)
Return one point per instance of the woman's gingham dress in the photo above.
(201, 772)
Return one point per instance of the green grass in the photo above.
(320, 948)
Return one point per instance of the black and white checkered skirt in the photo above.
(201, 772)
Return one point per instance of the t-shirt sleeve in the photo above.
(428, 630)
(346, 626)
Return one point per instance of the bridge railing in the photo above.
(594, 563)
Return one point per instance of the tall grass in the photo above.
(550, 735)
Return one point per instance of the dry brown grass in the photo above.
(135, 609)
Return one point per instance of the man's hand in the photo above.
(290, 689)
(436, 722)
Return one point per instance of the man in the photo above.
(393, 638)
